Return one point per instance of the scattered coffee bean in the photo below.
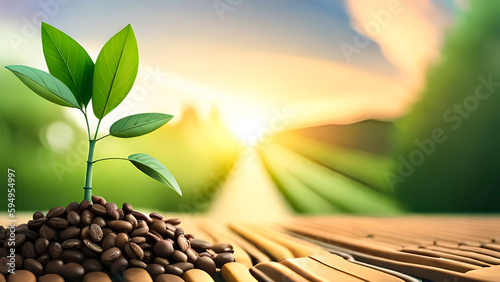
(33, 266)
(173, 270)
(163, 248)
(74, 218)
(87, 217)
(119, 265)
(72, 244)
(178, 231)
(130, 218)
(109, 241)
(155, 270)
(73, 206)
(183, 243)
(136, 250)
(54, 266)
(168, 278)
(106, 231)
(84, 205)
(142, 216)
(121, 240)
(120, 225)
(156, 215)
(152, 238)
(43, 259)
(222, 248)
(92, 246)
(189, 236)
(173, 221)
(199, 244)
(55, 249)
(138, 240)
(95, 233)
(137, 263)
(184, 266)
(28, 250)
(37, 215)
(72, 271)
(98, 209)
(36, 223)
(30, 234)
(111, 210)
(121, 214)
(111, 255)
(179, 256)
(70, 233)
(57, 222)
(223, 258)
(206, 264)
(98, 200)
(85, 233)
(99, 221)
(55, 211)
(72, 256)
(41, 246)
(191, 255)
(127, 208)
(19, 260)
(140, 231)
(162, 261)
(91, 265)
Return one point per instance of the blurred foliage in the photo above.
(461, 173)
(199, 153)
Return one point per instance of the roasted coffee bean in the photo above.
(156, 234)
(222, 248)
(87, 217)
(206, 264)
(199, 245)
(28, 250)
(57, 222)
(149, 257)
(109, 241)
(4, 267)
(178, 231)
(141, 223)
(173, 221)
(185, 266)
(138, 240)
(111, 210)
(155, 270)
(34, 266)
(206, 254)
(110, 255)
(142, 216)
(158, 226)
(72, 271)
(18, 241)
(19, 261)
(191, 255)
(183, 243)
(91, 265)
(145, 246)
(99, 221)
(179, 256)
(72, 244)
(163, 248)
(140, 231)
(168, 278)
(92, 246)
(119, 265)
(152, 238)
(44, 259)
(98, 209)
(89, 253)
(56, 211)
(37, 223)
(156, 215)
(223, 258)
(189, 236)
(95, 233)
(70, 233)
(137, 250)
(170, 227)
(3, 233)
(162, 261)
(4, 252)
(55, 249)
(106, 231)
(73, 206)
(170, 233)
(30, 234)
(74, 218)
(37, 215)
(130, 218)
(84, 205)
(127, 208)
(173, 270)
(120, 225)
(22, 226)
(121, 240)
(50, 278)
(121, 214)
(98, 200)
(54, 266)
(137, 263)
(85, 232)
(72, 256)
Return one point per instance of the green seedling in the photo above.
(74, 80)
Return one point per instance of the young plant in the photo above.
(74, 81)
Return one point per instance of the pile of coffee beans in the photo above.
(81, 238)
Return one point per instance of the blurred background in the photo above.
(284, 107)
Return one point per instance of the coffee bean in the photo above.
(142, 216)
(92, 246)
(129, 252)
(156, 234)
(206, 264)
(178, 231)
(72, 271)
(111, 210)
(54, 250)
(30, 234)
(91, 265)
(137, 263)
(130, 218)
(98, 209)
(222, 248)
(18, 241)
(109, 241)
(163, 248)
(85, 233)
(99, 221)
(170, 227)
(87, 217)
(98, 200)
(73, 206)
(37, 215)
(3, 233)
(36, 223)
(74, 218)
(72, 256)
(189, 236)
(4, 252)
(88, 253)
(141, 223)
(136, 250)
(168, 278)
(71, 244)
(50, 278)
(55, 212)
(19, 261)
(170, 233)
(28, 250)
(184, 266)
(152, 238)
(121, 240)
(95, 233)
(22, 226)
(84, 205)
(149, 257)
(199, 245)
(156, 215)
(206, 254)
(159, 227)
(121, 214)
(57, 222)
(145, 246)
(138, 240)
(173, 221)
(179, 256)
(155, 270)
(191, 255)
(4, 267)
(106, 231)
(54, 266)
(127, 208)
(223, 258)
(110, 255)
(173, 270)
(140, 231)
(70, 233)
(162, 261)
(120, 225)
(44, 259)
(183, 243)
(119, 265)
(33, 266)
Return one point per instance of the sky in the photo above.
(305, 63)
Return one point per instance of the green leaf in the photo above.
(45, 85)
(155, 169)
(69, 62)
(137, 125)
(115, 72)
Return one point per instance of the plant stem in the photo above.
(88, 175)
(105, 159)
